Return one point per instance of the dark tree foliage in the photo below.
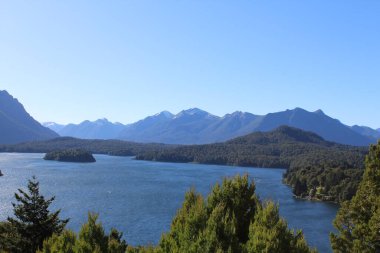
(330, 171)
(108, 147)
(270, 233)
(358, 220)
(10, 240)
(299, 187)
(32, 222)
(219, 224)
(325, 183)
(231, 219)
(70, 155)
(91, 239)
(315, 168)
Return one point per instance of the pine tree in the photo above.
(186, 232)
(33, 222)
(231, 208)
(270, 233)
(63, 243)
(9, 238)
(231, 219)
(92, 238)
(115, 242)
(358, 220)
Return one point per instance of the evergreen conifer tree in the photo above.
(231, 219)
(33, 222)
(270, 233)
(92, 238)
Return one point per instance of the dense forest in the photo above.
(358, 220)
(108, 147)
(316, 168)
(70, 155)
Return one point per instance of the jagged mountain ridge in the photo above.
(16, 125)
(367, 131)
(195, 126)
(99, 129)
(53, 126)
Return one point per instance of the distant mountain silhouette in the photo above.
(99, 129)
(16, 125)
(318, 122)
(188, 126)
(195, 126)
(367, 131)
(53, 126)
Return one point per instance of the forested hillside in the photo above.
(109, 147)
(316, 168)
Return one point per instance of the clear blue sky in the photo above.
(68, 61)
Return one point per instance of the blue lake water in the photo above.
(140, 198)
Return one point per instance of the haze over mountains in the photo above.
(53, 126)
(192, 126)
(16, 125)
(99, 129)
(195, 126)
(367, 131)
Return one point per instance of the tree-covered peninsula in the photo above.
(70, 155)
(316, 169)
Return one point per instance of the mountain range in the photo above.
(16, 125)
(195, 126)
(367, 131)
(99, 129)
(192, 126)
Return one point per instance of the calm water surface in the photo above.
(140, 198)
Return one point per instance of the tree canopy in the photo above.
(358, 220)
(231, 219)
(91, 239)
(32, 222)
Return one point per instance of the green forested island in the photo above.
(70, 155)
(316, 168)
